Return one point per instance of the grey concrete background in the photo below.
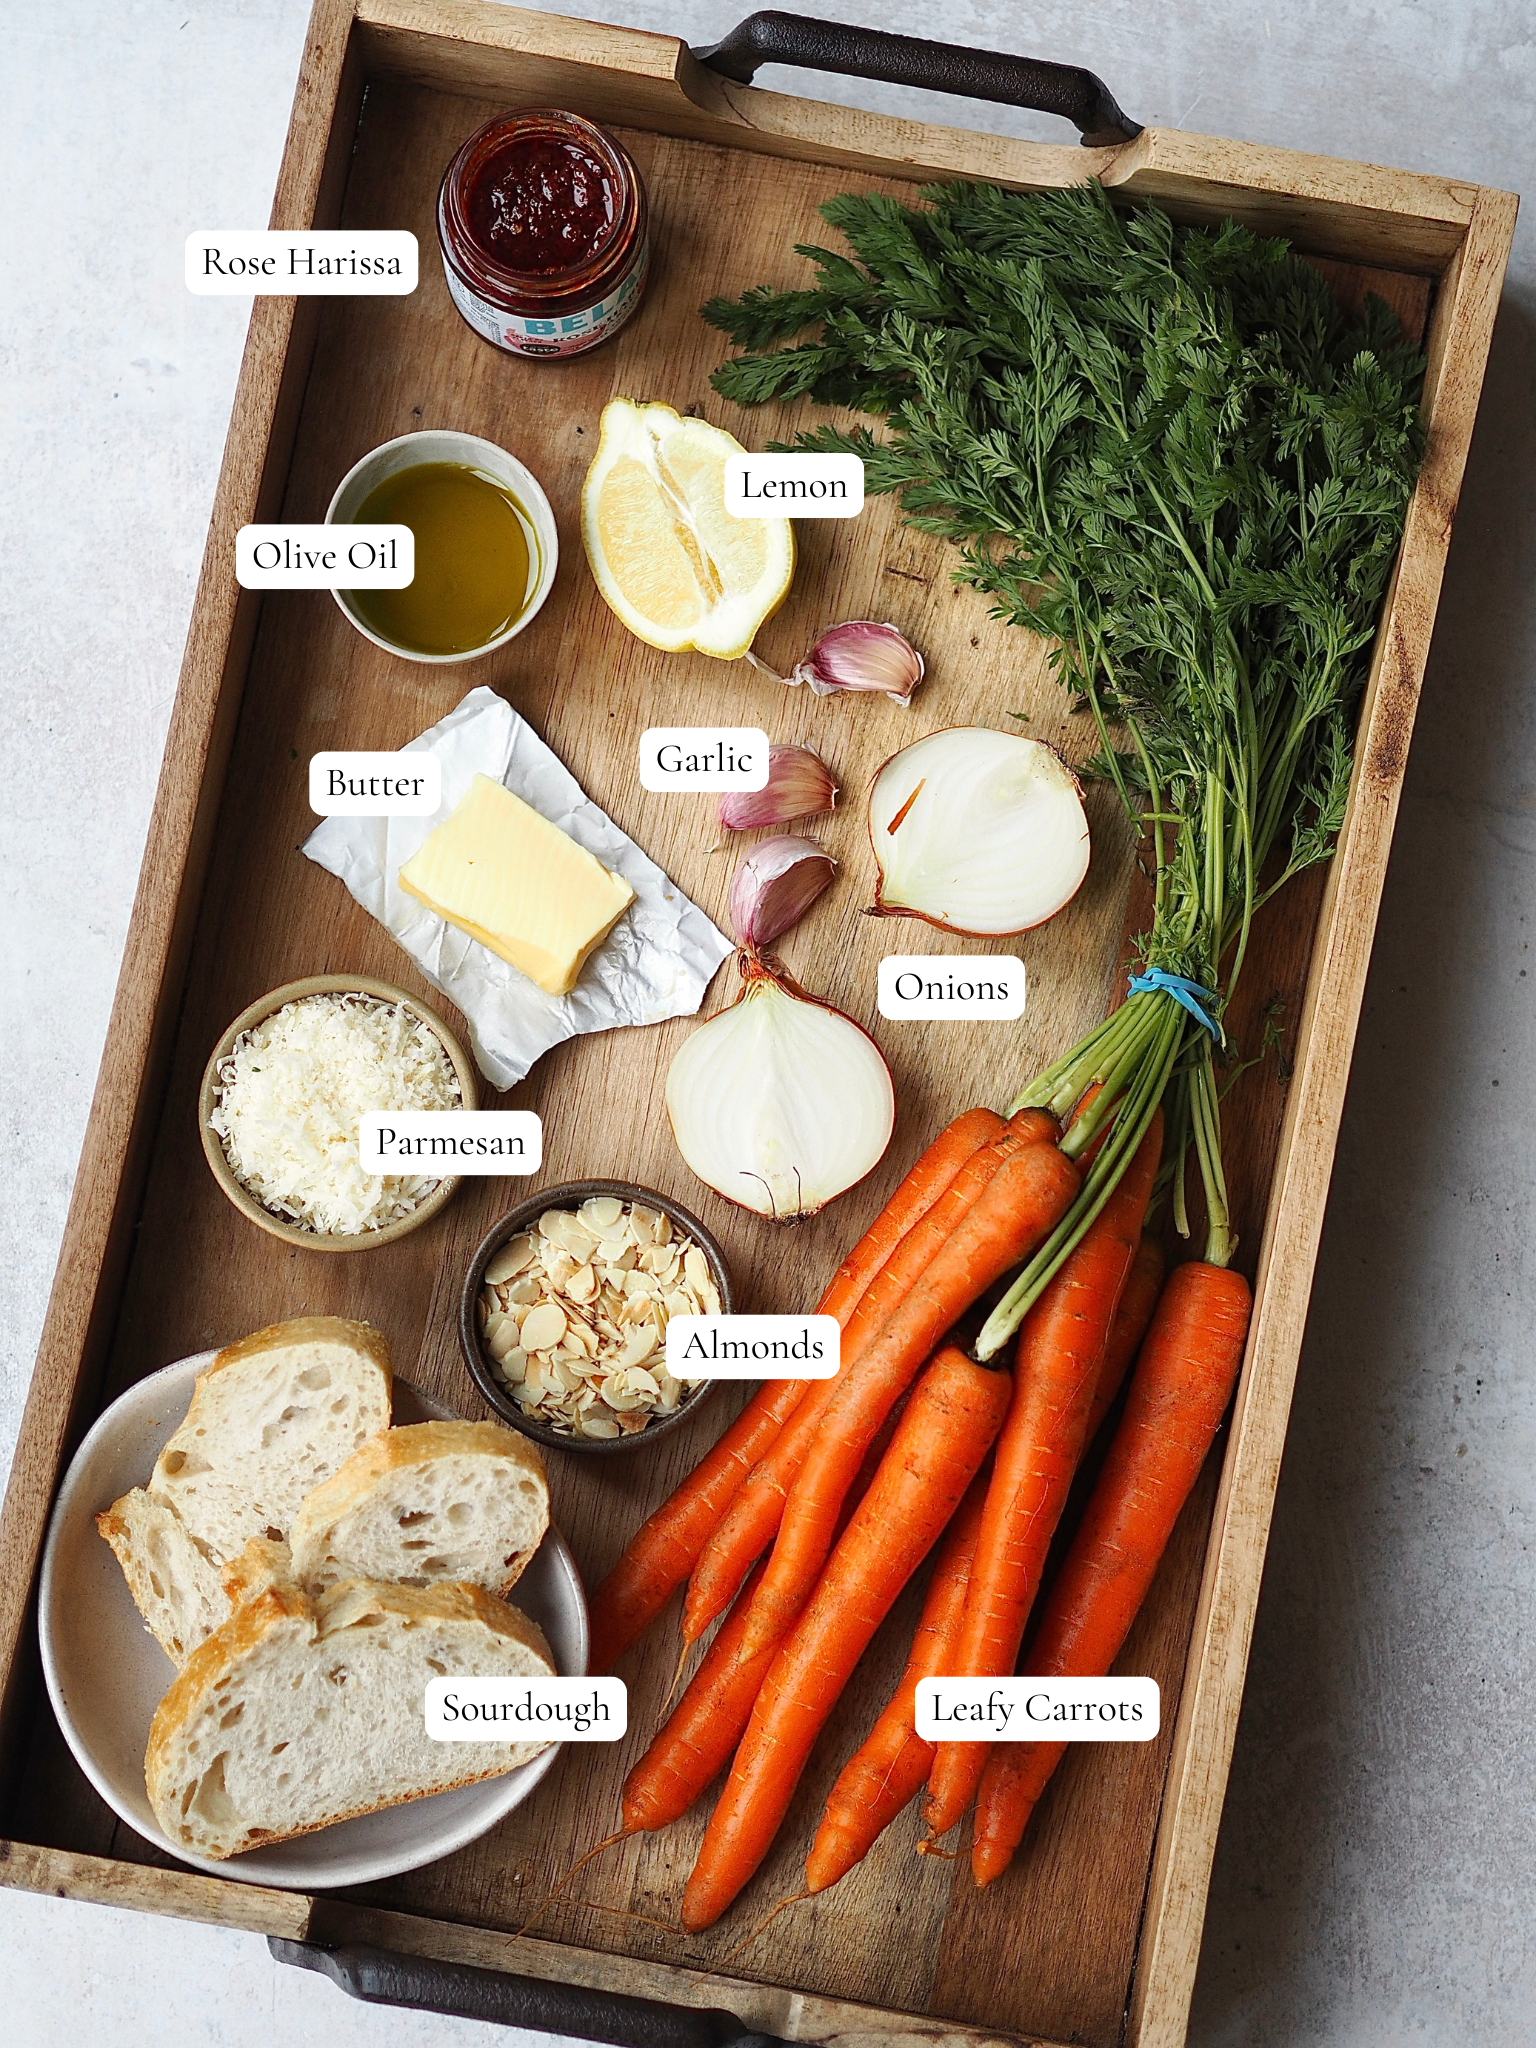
(1374, 1880)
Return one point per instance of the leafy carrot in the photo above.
(914, 1198)
(665, 1549)
(1055, 1373)
(1143, 1284)
(1183, 1381)
(752, 1520)
(1026, 1195)
(889, 1767)
(949, 1425)
(690, 1750)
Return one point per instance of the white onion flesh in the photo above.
(980, 832)
(780, 1103)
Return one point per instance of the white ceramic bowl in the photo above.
(441, 444)
(106, 1674)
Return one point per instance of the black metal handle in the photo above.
(383, 1978)
(1066, 89)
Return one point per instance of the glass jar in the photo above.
(542, 218)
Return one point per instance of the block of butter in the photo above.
(499, 871)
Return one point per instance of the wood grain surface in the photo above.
(1098, 1922)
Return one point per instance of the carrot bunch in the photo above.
(805, 1522)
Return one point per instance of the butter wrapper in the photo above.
(657, 961)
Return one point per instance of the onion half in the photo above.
(978, 832)
(780, 1103)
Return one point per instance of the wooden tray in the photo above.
(1094, 1935)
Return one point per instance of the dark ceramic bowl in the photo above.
(571, 1195)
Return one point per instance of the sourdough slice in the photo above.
(265, 1561)
(299, 1713)
(173, 1585)
(465, 1502)
(272, 1417)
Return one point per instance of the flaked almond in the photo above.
(543, 1326)
(514, 1255)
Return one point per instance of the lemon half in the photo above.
(676, 567)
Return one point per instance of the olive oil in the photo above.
(473, 568)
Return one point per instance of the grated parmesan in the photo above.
(292, 1094)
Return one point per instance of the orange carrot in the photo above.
(665, 1549)
(1055, 1373)
(752, 1520)
(1022, 1202)
(1183, 1381)
(748, 1525)
(1143, 1284)
(914, 1198)
(705, 1726)
(938, 1447)
(929, 1234)
(889, 1767)
(691, 1749)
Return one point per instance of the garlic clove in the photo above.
(799, 785)
(775, 885)
(862, 654)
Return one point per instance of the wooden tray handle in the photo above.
(1066, 89)
(380, 1977)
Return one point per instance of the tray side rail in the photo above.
(1211, 1696)
(83, 1304)
(1350, 211)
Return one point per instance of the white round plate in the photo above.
(106, 1674)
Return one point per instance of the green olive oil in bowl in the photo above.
(476, 560)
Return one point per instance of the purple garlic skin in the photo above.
(775, 886)
(862, 655)
(799, 785)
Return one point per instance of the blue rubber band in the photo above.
(1197, 1000)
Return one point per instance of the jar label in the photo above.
(562, 334)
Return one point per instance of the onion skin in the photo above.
(882, 908)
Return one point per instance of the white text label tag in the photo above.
(753, 1347)
(325, 557)
(974, 988)
(690, 759)
(329, 263)
(355, 785)
(486, 1142)
(794, 486)
(526, 1709)
(1037, 1709)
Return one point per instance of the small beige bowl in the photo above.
(443, 445)
(213, 1150)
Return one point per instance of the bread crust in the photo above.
(304, 1330)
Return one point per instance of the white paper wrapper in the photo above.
(656, 962)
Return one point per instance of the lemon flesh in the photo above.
(677, 567)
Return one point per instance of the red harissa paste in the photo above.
(542, 218)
